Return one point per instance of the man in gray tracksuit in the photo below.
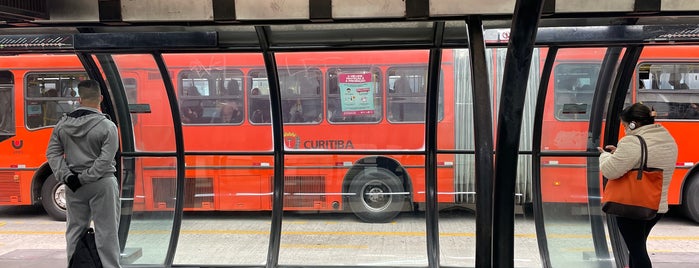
(81, 154)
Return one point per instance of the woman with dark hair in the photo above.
(639, 119)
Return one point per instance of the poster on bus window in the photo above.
(356, 93)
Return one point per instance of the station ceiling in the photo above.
(342, 24)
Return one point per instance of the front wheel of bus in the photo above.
(53, 198)
(691, 200)
(377, 195)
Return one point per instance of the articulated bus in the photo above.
(369, 100)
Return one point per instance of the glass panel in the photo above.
(566, 184)
(50, 95)
(215, 184)
(212, 90)
(334, 199)
(457, 223)
(566, 212)
(150, 220)
(7, 105)
(153, 131)
(672, 89)
(354, 102)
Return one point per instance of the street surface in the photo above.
(241, 238)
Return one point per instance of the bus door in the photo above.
(7, 111)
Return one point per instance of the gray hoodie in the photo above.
(90, 140)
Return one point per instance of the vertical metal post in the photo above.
(525, 22)
(432, 104)
(127, 145)
(483, 139)
(539, 224)
(179, 152)
(277, 133)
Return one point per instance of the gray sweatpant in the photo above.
(99, 202)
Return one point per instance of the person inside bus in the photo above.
(191, 109)
(232, 88)
(259, 107)
(402, 86)
(51, 108)
(676, 83)
(639, 119)
(81, 153)
(296, 112)
(229, 113)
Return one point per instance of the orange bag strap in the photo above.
(644, 157)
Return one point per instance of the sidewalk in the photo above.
(51, 258)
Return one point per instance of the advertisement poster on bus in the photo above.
(356, 94)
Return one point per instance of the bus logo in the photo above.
(17, 144)
(291, 140)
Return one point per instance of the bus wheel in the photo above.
(690, 206)
(53, 198)
(377, 195)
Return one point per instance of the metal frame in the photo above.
(494, 239)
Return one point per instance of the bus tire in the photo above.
(377, 195)
(690, 204)
(53, 198)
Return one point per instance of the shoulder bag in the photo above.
(636, 194)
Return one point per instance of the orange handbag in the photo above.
(636, 194)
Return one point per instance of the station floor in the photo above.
(52, 258)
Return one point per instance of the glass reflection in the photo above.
(356, 210)
(228, 200)
(151, 214)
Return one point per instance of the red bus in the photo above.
(666, 78)
(330, 101)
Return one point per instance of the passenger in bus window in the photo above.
(191, 114)
(402, 85)
(229, 113)
(192, 111)
(296, 112)
(232, 88)
(51, 108)
(675, 82)
(692, 112)
(259, 107)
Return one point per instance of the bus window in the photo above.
(7, 122)
(672, 89)
(259, 110)
(407, 89)
(211, 97)
(301, 95)
(49, 96)
(348, 97)
(574, 86)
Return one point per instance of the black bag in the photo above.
(85, 255)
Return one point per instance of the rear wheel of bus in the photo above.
(690, 204)
(377, 195)
(53, 198)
